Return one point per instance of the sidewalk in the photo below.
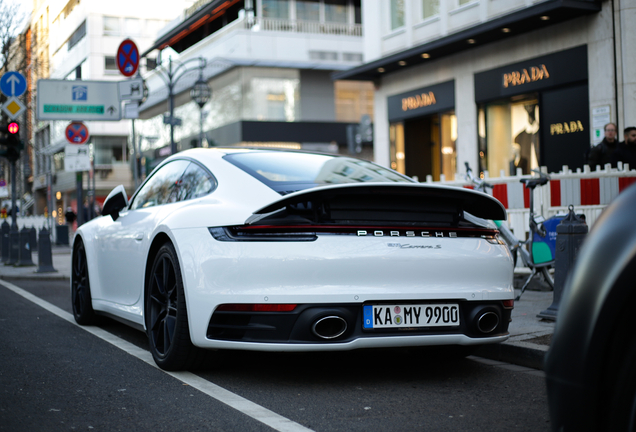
(529, 336)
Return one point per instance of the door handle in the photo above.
(139, 236)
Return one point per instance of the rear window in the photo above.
(289, 172)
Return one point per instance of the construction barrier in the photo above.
(588, 191)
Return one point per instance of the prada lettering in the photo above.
(566, 127)
(380, 233)
(525, 76)
(418, 101)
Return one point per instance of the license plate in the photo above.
(410, 315)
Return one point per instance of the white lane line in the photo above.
(255, 411)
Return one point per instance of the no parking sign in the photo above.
(127, 58)
(76, 133)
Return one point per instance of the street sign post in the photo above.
(76, 133)
(13, 107)
(127, 58)
(76, 158)
(78, 100)
(13, 84)
(131, 90)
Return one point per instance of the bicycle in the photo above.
(537, 252)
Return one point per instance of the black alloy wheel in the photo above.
(167, 316)
(80, 287)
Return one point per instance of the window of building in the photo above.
(111, 26)
(509, 135)
(152, 27)
(397, 14)
(110, 150)
(464, 2)
(430, 8)
(110, 64)
(353, 100)
(77, 35)
(151, 63)
(336, 11)
(132, 26)
(308, 10)
(276, 9)
(273, 99)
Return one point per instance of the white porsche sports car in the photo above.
(270, 250)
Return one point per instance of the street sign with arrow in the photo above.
(13, 84)
(78, 100)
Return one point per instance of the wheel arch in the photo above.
(159, 240)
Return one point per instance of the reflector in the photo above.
(256, 307)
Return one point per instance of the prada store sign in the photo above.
(553, 70)
(424, 101)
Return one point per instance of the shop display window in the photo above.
(509, 135)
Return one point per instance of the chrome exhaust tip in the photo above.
(329, 327)
(487, 322)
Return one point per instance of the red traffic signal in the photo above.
(13, 128)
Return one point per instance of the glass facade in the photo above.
(308, 10)
(509, 135)
(353, 100)
(425, 146)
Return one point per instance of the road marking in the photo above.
(249, 408)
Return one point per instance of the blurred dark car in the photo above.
(591, 364)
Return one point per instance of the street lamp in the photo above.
(201, 94)
(172, 76)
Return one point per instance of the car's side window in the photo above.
(196, 182)
(162, 187)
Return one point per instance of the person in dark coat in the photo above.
(603, 152)
(626, 152)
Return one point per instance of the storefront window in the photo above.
(425, 146)
(272, 99)
(353, 100)
(509, 135)
(396, 136)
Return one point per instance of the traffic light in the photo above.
(10, 143)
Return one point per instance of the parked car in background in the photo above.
(248, 249)
(591, 364)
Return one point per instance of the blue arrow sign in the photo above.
(13, 84)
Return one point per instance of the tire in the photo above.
(80, 287)
(548, 275)
(167, 316)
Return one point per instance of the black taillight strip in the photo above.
(310, 232)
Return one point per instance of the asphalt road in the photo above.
(56, 375)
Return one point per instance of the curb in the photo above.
(519, 353)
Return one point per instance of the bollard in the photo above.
(570, 234)
(4, 231)
(24, 253)
(14, 246)
(45, 254)
(33, 239)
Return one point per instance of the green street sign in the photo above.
(74, 109)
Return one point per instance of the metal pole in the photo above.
(201, 127)
(80, 199)
(14, 222)
(173, 145)
(134, 144)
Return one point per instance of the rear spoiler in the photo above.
(380, 201)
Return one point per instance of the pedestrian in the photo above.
(602, 153)
(70, 217)
(626, 152)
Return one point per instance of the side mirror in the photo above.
(115, 202)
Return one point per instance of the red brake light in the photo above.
(509, 304)
(13, 128)
(256, 307)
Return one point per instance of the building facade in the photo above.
(268, 64)
(78, 40)
(502, 85)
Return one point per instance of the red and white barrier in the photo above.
(588, 191)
